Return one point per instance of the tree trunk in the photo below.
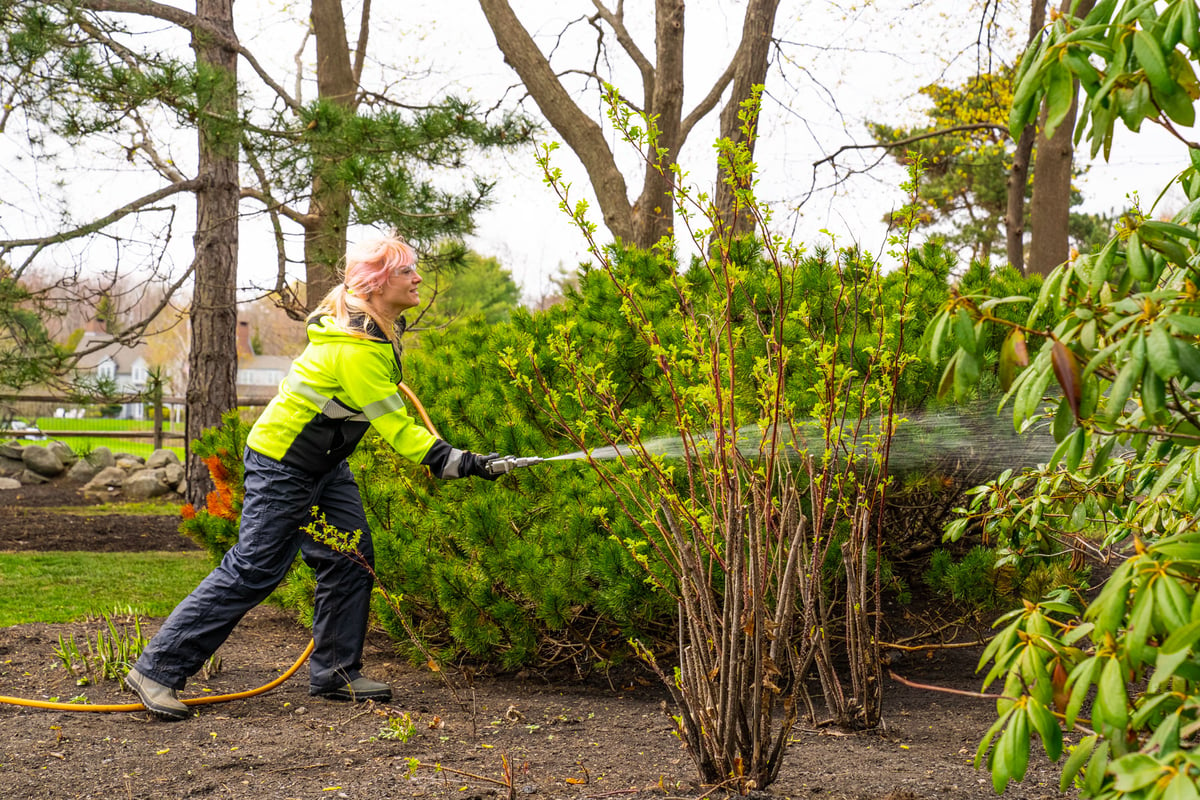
(1018, 176)
(654, 211)
(1051, 206)
(1014, 217)
(329, 206)
(212, 362)
(647, 220)
(580, 132)
(750, 71)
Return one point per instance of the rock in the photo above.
(42, 461)
(9, 483)
(83, 471)
(161, 458)
(29, 478)
(101, 457)
(145, 484)
(175, 475)
(11, 449)
(107, 478)
(129, 463)
(64, 452)
(11, 466)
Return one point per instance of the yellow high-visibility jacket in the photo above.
(340, 386)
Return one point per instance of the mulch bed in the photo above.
(561, 736)
(26, 524)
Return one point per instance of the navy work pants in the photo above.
(279, 501)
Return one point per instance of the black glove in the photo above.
(475, 464)
(448, 462)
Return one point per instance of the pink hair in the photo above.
(371, 264)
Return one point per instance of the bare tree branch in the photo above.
(617, 22)
(189, 21)
(285, 297)
(581, 133)
(360, 48)
(299, 59)
(709, 102)
(273, 205)
(596, 76)
(135, 331)
(143, 203)
(145, 144)
(974, 126)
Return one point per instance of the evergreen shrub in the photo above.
(542, 567)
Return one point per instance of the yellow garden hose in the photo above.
(191, 701)
(220, 698)
(420, 409)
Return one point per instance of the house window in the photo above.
(140, 373)
(106, 371)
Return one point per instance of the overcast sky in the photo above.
(839, 66)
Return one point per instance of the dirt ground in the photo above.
(607, 736)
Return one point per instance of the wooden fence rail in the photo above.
(67, 434)
(159, 402)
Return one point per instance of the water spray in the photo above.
(971, 442)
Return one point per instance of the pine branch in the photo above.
(193, 23)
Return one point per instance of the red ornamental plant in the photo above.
(221, 501)
(215, 527)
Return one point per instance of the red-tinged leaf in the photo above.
(1019, 349)
(1013, 356)
(1066, 370)
(1058, 679)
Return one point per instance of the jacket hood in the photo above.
(324, 329)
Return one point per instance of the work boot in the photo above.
(159, 700)
(359, 689)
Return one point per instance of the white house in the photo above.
(124, 366)
(258, 376)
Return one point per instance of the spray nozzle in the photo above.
(502, 465)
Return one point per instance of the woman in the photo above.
(295, 459)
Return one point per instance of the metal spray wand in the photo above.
(502, 465)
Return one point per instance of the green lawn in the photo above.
(55, 427)
(62, 587)
(155, 506)
(102, 424)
